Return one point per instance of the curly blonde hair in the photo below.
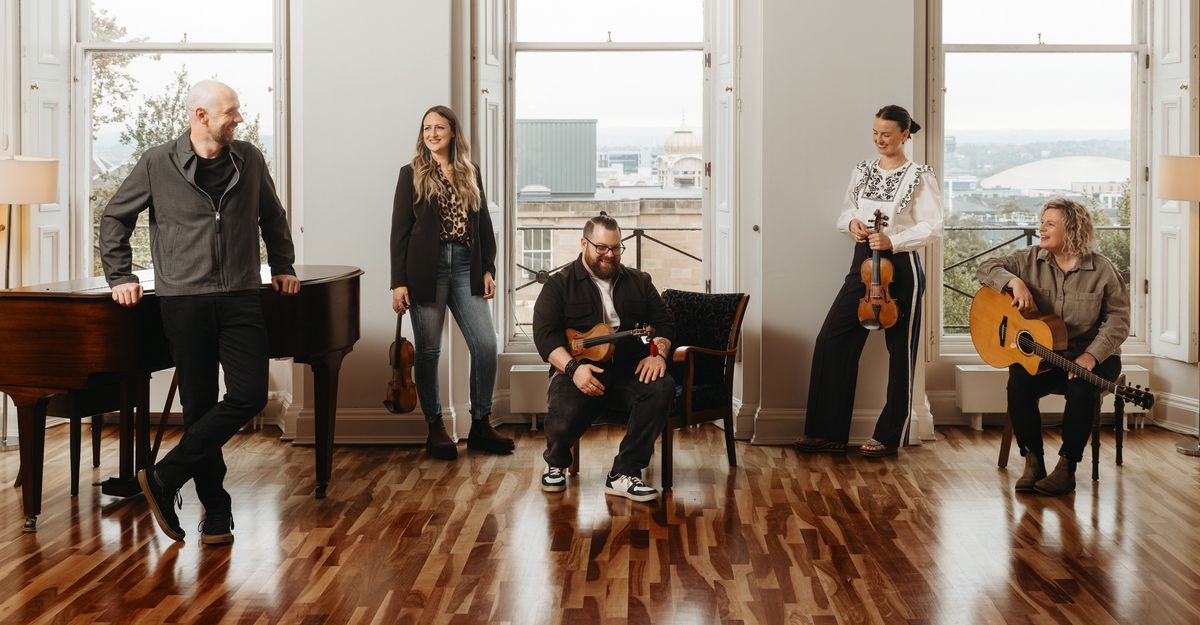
(1077, 221)
(425, 178)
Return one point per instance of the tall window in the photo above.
(1037, 99)
(608, 114)
(140, 58)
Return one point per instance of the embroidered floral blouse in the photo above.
(909, 196)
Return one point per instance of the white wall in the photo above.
(822, 80)
(361, 78)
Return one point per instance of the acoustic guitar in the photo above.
(596, 345)
(1003, 336)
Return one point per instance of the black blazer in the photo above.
(415, 230)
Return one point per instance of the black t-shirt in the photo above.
(213, 175)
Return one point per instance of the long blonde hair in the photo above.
(425, 175)
(1077, 221)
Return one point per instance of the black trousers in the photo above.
(570, 413)
(840, 343)
(1025, 390)
(206, 331)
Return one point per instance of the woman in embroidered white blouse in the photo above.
(910, 197)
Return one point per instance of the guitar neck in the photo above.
(1058, 360)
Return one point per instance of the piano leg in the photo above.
(31, 420)
(325, 368)
(124, 484)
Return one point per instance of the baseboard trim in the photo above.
(1177, 413)
(782, 426)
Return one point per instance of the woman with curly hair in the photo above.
(1064, 276)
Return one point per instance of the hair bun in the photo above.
(913, 127)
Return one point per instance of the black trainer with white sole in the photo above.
(630, 487)
(554, 480)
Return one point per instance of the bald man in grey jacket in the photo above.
(209, 197)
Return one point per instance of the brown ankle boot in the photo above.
(438, 444)
(1035, 469)
(1060, 481)
(484, 437)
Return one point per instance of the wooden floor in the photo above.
(934, 536)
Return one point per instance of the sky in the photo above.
(625, 89)
(1038, 91)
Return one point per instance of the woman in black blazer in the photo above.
(444, 255)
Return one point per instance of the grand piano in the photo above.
(71, 338)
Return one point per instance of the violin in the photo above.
(877, 310)
(401, 391)
(596, 345)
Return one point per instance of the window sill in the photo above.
(957, 346)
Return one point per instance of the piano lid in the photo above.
(98, 287)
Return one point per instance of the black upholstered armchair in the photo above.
(707, 329)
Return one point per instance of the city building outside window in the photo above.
(607, 117)
(1036, 100)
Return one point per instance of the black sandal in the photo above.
(810, 445)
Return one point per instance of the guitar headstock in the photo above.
(879, 221)
(1136, 395)
(646, 332)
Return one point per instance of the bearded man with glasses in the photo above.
(596, 289)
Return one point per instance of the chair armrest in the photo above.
(682, 352)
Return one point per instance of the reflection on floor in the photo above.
(933, 536)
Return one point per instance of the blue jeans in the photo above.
(474, 320)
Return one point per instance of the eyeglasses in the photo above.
(605, 249)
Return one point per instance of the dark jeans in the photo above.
(571, 412)
(206, 331)
(1025, 390)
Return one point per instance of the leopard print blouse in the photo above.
(456, 226)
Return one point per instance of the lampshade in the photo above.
(28, 180)
(1179, 178)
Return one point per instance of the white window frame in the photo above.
(81, 156)
(1135, 345)
(548, 250)
(515, 341)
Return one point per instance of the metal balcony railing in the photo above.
(638, 235)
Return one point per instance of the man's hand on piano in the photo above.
(285, 284)
(128, 294)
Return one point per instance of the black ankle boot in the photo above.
(1035, 469)
(438, 444)
(1060, 481)
(484, 437)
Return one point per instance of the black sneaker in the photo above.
(216, 528)
(162, 503)
(630, 487)
(554, 480)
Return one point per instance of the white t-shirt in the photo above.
(610, 311)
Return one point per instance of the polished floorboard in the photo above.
(935, 535)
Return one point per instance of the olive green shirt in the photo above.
(1091, 298)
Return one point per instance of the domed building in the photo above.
(682, 163)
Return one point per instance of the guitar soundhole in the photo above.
(1025, 343)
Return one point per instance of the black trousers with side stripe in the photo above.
(834, 375)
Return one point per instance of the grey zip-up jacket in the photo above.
(198, 248)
